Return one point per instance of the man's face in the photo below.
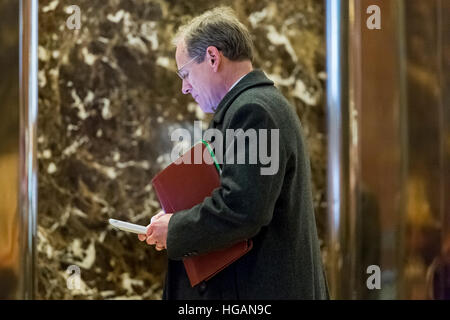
(199, 80)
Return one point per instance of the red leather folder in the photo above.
(184, 184)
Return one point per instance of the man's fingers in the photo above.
(157, 216)
(142, 237)
(159, 247)
(149, 230)
(151, 241)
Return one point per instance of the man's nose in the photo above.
(186, 87)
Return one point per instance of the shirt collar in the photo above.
(236, 82)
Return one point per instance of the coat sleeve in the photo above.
(244, 202)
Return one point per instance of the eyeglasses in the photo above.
(183, 76)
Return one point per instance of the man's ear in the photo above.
(213, 57)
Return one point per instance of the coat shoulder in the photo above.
(265, 101)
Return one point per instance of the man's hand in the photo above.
(157, 231)
(143, 237)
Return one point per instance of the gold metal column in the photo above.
(389, 149)
(378, 146)
(339, 254)
(367, 148)
(18, 176)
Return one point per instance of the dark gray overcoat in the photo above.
(276, 211)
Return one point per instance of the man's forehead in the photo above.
(181, 54)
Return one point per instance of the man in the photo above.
(214, 54)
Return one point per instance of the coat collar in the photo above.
(252, 79)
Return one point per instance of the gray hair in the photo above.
(220, 28)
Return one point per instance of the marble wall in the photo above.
(108, 100)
